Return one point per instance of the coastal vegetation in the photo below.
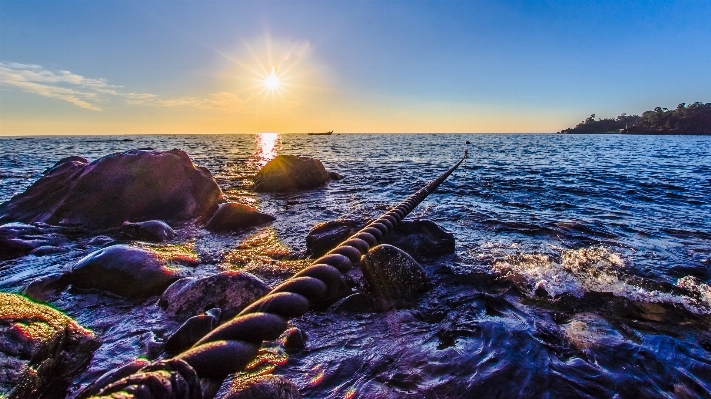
(691, 119)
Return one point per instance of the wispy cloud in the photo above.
(62, 85)
(88, 93)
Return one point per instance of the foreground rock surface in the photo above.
(150, 230)
(230, 217)
(262, 387)
(291, 173)
(419, 238)
(229, 291)
(392, 277)
(124, 270)
(40, 348)
(135, 185)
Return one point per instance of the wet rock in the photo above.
(392, 277)
(325, 236)
(190, 332)
(133, 185)
(356, 303)
(42, 288)
(39, 347)
(261, 387)
(48, 250)
(334, 176)
(100, 240)
(229, 291)
(170, 379)
(419, 238)
(112, 376)
(589, 330)
(291, 173)
(294, 339)
(124, 270)
(151, 230)
(18, 239)
(230, 217)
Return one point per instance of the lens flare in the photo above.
(272, 82)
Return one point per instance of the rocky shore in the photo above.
(128, 214)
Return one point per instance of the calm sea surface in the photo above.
(569, 214)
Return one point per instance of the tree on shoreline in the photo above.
(691, 119)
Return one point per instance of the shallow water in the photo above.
(593, 221)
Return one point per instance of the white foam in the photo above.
(595, 269)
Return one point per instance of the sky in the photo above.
(160, 66)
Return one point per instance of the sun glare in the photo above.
(272, 81)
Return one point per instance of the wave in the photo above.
(598, 269)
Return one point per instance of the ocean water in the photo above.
(554, 233)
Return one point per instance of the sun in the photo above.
(272, 81)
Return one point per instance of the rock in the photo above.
(291, 173)
(392, 277)
(100, 240)
(48, 250)
(168, 379)
(229, 291)
(294, 339)
(124, 270)
(334, 176)
(325, 236)
(231, 216)
(133, 185)
(190, 332)
(19, 239)
(112, 376)
(42, 288)
(262, 387)
(356, 303)
(419, 238)
(39, 347)
(150, 230)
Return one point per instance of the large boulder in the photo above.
(39, 347)
(291, 173)
(230, 291)
(231, 216)
(135, 185)
(419, 238)
(124, 270)
(392, 277)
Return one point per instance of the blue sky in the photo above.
(81, 67)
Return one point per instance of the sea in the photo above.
(582, 264)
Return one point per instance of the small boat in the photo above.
(322, 134)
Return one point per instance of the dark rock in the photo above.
(124, 270)
(230, 217)
(42, 288)
(294, 339)
(112, 376)
(48, 250)
(169, 379)
(18, 239)
(133, 185)
(229, 291)
(291, 173)
(356, 303)
(334, 176)
(392, 277)
(39, 347)
(419, 238)
(325, 236)
(151, 230)
(100, 240)
(262, 387)
(190, 332)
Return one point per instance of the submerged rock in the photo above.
(261, 387)
(392, 277)
(19, 239)
(39, 347)
(124, 270)
(419, 238)
(230, 217)
(133, 185)
(150, 230)
(229, 291)
(291, 173)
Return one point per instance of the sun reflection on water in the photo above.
(266, 147)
